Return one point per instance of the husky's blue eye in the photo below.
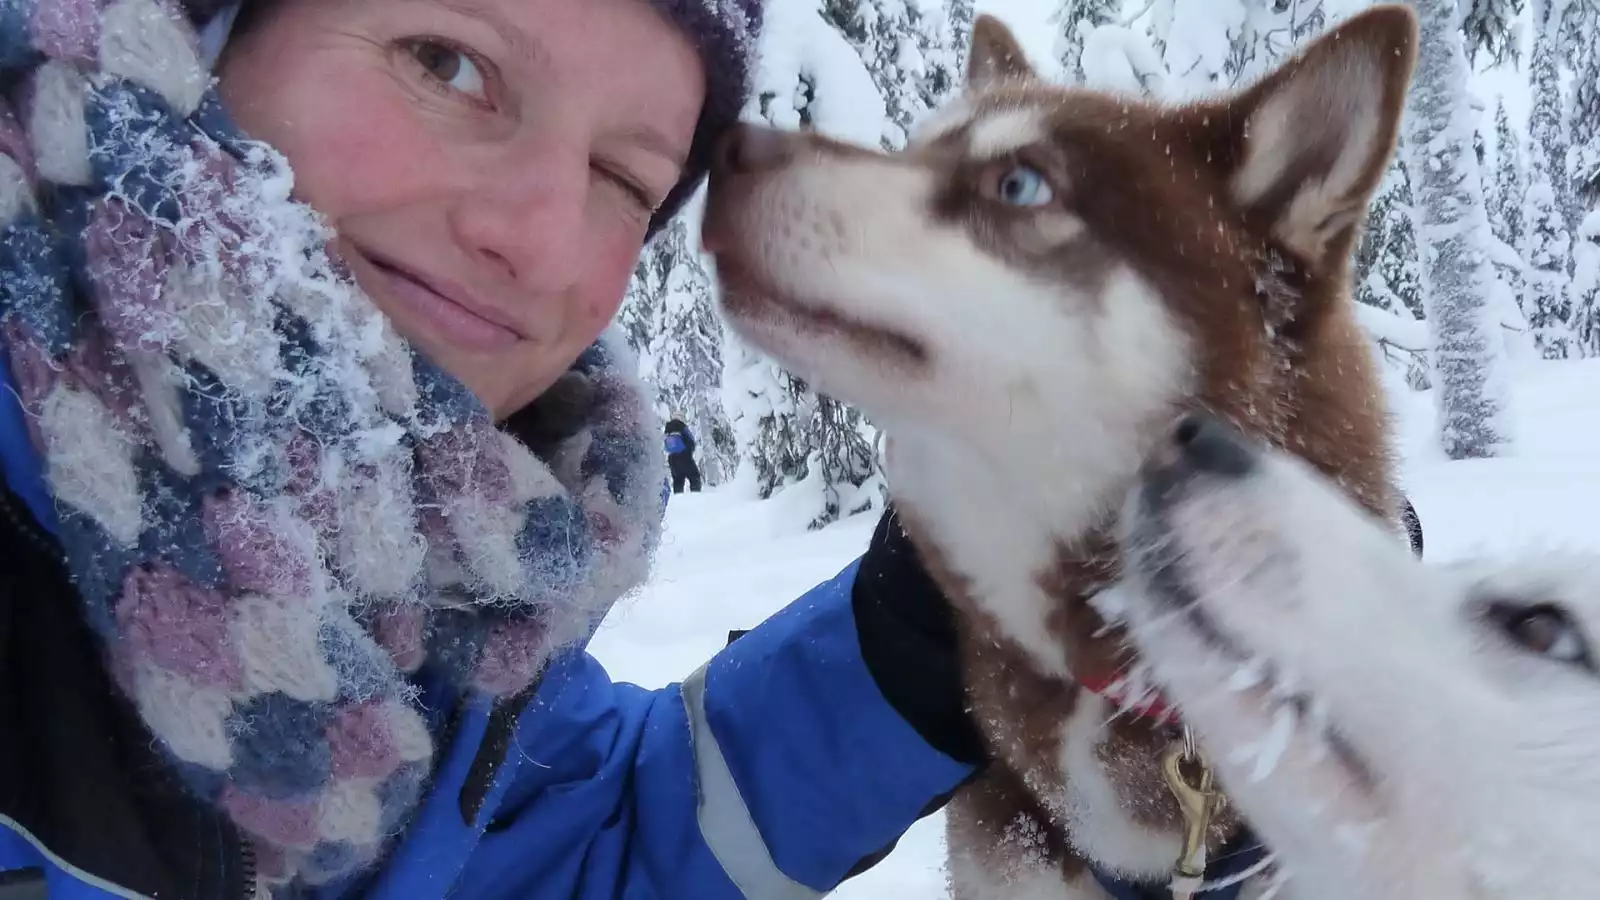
(1023, 186)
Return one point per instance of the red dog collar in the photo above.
(1138, 701)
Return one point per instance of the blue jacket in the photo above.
(770, 773)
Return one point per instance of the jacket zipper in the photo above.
(247, 863)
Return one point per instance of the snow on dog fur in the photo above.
(1024, 298)
(1391, 729)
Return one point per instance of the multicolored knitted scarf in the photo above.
(275, 512)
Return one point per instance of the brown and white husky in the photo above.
(1025, 298)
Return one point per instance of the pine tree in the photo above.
(944, 39)
(1580, 47)
(894, 39)
(1546, 250)
(1178, 49)
(1118, 57)
(1273, 31)
(1585, 290)
(1199, 42)
(685, 365)
(1488, 27)
(1584, 159)
(1509, 187)
(1386, 263)
(763, 403)
(1457, 277)
(641, 303)
(1503, 192)
(1583, 166)
(1548, 136)
(1073, 20)
(1547, 240)
(843, 460)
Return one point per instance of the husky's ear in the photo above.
(1312, 140)
(995, 55)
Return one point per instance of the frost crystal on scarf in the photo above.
(273, 509)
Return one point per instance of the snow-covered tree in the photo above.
(1119, 57)
(1585, 290)
(1546, 250)
(1385, 271)
(1504, 193)
(1176, 49)
(1458, 278)
(1582, 50)
(1584, 159)
(1489, 29)
(843, 461)
(905, 50)
(1273, 30)
(1509, 186)
(1197, 43)
(684, 362)
(641, 304)
(945, 58)
(1074, 19)
(1547, 241)
(1547, 123)
(1386, 262)
(764, 406)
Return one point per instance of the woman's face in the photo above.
(490, 166)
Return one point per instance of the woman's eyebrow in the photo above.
(518, 40)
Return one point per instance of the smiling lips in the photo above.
(451, 318)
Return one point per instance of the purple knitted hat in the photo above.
(725, 32)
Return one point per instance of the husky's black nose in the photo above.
(1205, 444)
(747, 148)
(1196, 445)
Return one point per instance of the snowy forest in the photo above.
(1481, 250)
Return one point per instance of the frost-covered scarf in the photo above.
(273, 509)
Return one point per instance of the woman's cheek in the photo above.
(602, 302)
(360, 156)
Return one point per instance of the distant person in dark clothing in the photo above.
(680, 456)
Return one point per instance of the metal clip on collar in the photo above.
(1200, 801)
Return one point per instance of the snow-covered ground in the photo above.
(728, 563)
